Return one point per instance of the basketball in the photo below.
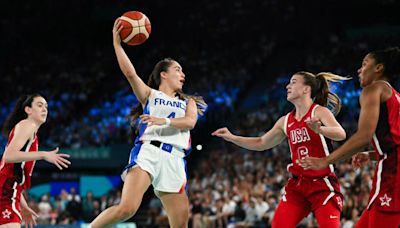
(136, 28)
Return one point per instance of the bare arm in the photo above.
(186, 122)
(141, 90)
(270, 139)
(370, 103)
(23, 131)
(190, 118)
(331, 128)
(367, 122)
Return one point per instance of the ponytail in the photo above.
(320, 89)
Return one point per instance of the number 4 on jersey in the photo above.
(171, 115)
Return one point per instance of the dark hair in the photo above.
(390, 58)
(154, 83)
(18, 112)
(320, 90)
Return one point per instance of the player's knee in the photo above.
(124, 212)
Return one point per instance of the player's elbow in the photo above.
(260, 145)
(341, 136)
(191, 124)
(8, 158)
(130, 75)
(365, 136)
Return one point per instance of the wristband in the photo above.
(167, 121)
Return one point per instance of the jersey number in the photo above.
(171, 115)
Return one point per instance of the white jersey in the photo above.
(162, 106)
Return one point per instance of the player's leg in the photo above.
(375, 218)
(364, 219)
(177, 207)
(137, 181)
(289, 214)
(328, 215)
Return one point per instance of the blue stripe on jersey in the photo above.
(142, 128)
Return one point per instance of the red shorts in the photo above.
(303, 195)
(8, 214)
(10, 196)
(376, 218)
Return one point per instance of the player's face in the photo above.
(175, 76)
(296, 87)
(368, 71)
(38, 111)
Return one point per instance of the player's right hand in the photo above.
(57, 159)
(116, 29)
(223, 133)
(360, 159)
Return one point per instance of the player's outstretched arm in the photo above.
(22, 133)
(270, 139)
(141, 90)
(368, 120)
(326, 124)
(186, 122)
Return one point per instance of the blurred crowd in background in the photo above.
(239, 55)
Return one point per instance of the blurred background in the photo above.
(237, 54)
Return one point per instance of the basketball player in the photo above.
(19, 157)
(306, 129)
(379, 123)
(164, 140)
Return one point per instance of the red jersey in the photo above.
(19, 173)
(386, 141)
(304, 142)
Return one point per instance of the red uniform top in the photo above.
(19, 173)
(304, 142)
(386, 141)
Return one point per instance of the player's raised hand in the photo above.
(57, 159)
(312, 163)
(360, 159)
(314, 124)
(223, 133)
(116, 29)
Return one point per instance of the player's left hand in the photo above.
(151, 120)
(312, 163)
(29, 217)
(314, 124)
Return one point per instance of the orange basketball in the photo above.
(136, 28)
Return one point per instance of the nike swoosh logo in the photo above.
(291, 124)
(333, 216)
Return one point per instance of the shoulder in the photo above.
(378, 90)
(377, 86)
(281, 122)
(24, 126)
(322, 110)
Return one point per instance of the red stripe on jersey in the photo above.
(304, 142)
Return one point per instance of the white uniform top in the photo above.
(162, 106)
